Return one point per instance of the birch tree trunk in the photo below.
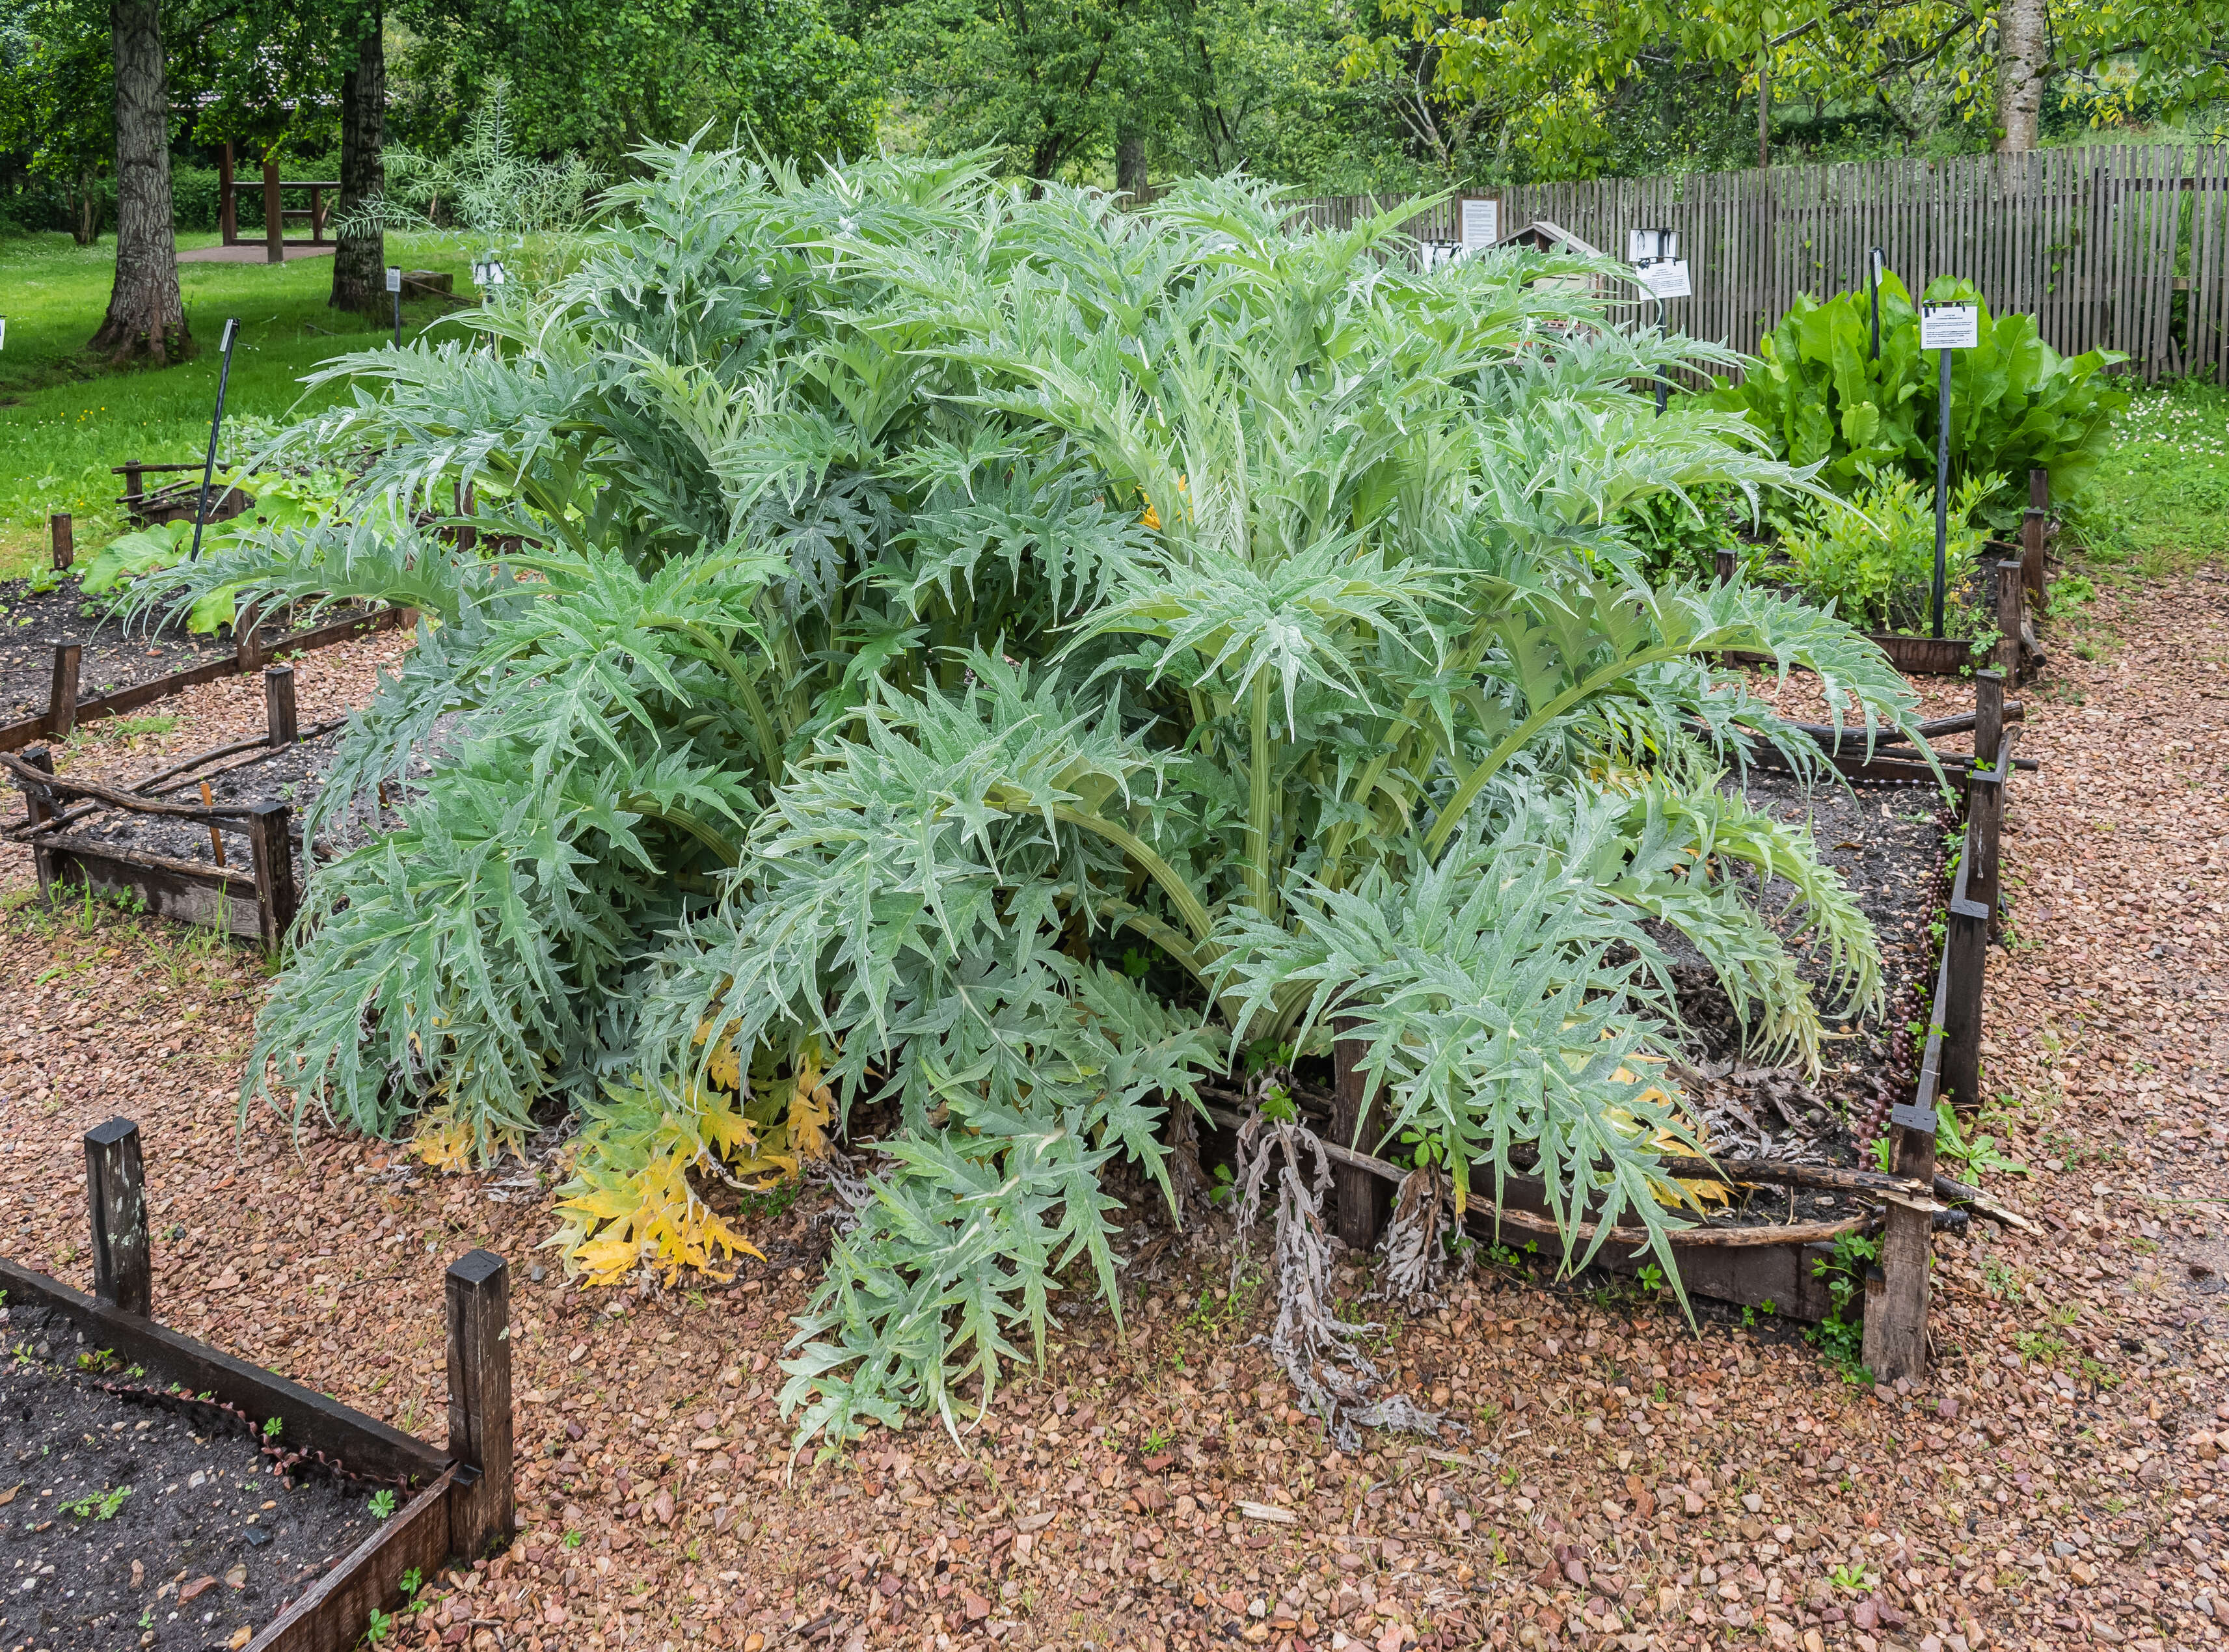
(2022, 47)
(360, 258)
(145, 317)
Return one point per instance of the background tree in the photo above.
(58, 103)
(601, 77)
(145, 315)
(360, 248)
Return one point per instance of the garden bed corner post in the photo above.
(270, 834)
(39, 806)
(61, 697)
(115, 1191)
(481, 1515)
(1364, 1201)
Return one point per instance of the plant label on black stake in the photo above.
(394, 286)
(217, 419)
(1874, 264)
(1943, 328)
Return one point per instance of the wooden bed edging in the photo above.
(66, 710)
(310, 1420)
(460, 1502)
(258, 904)
(332, 1617)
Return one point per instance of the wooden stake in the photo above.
(41, 810)
(65, 540)
(123, 1273)
(217, 837)
(279, 705)
(2031, 521)
(1365, 1202)
(480, 1508)
(2011, 618)
(270, 832)
(61, 697)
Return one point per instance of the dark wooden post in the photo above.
(271, 835)
(41, 809)
(135, 482)
(1897, 1292)
(279, 705)
(123, 1272)
(245, 645)
(227, 208)
(274, 224)
(2039, 489)
(2031, 556)
(466, 537)
(1723, 563)
(62, 694)
(316, 216)
(65, 540)
(480, 1512)
(1965, 950)
(2011, 618)
(1364, 1200)
(1985, 800)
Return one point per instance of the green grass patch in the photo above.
(2160, 504)
(66, 418)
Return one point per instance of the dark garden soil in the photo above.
(293, 775)
(32, 622)
(126, 1526)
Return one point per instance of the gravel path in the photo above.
(1625, 1482)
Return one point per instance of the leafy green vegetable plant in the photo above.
(2016, 403)
(1870, 557)
(903, 606)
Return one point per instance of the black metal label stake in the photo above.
(394, 286)
(216, 421)
(1873, 264)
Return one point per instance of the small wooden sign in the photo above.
(1950, 326)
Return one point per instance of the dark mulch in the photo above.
(32, 622)
(125, 1526)
(294, 775)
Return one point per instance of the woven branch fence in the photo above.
(2122, 248)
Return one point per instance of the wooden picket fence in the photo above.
(2117, 247)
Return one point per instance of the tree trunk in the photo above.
(2021, 55)
(85, 201)
(145, 314)
(1130, 164)
(1763, 110)
(359, 256)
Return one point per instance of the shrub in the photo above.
(933, 599)
(2016, 403)
(1871, 558)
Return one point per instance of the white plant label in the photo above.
(495, 275)
(1950, 326)
(479, 274)
(3, 332)
(1481, 221)
(395, 278)
(1667, 279)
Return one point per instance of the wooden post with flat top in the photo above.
(123, 1271)
(61, 693)
(481, 1506)
(279, 705)
(41, 809)
(270, 834)
(63, 537)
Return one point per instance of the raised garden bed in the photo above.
(1798, 1177)
(209, 840)
(274, 1458)
(60, 667)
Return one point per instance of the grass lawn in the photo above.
(65, 419)
(2161, 503)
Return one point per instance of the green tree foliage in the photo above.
(599, 78)
(2016, 403)
(58, 103)
(1553, 88)
(1209, 86)
(930, 593)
